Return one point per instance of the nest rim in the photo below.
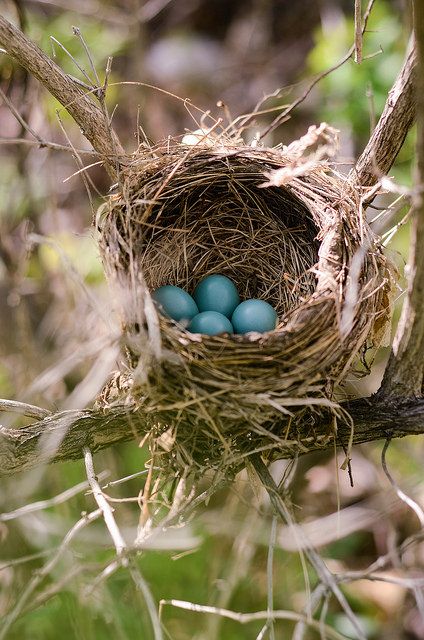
(273, 375)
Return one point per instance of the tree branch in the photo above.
(90, 118)
(389, 135)
(404, 373)
(36, 444)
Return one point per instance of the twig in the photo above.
(24, 409)
(84, 177)
(324, 575)
(23, 559)
(358, 32)
(323, 615)
(45, 504)
(142, 586)
(120, 544)
(103, 504)
(284, 114)
(237, 566)
(112, 483)
(105, 574)
(100, 92)
(245, 618)
(38, 577)
(58, 587)
(401, 494)
(25, 126)
(74, 60)
(319, 592)
(270, 579)
(39, 142)
(85, 112)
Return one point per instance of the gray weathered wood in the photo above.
(389, 135)
(404, 374)
(35, 445)
(79, 104)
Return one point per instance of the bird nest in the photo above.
(284, 228)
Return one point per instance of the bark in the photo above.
(89, 116)
(405, 370)
(63, 436)
(389, 135)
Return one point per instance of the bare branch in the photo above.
(358, 32)
(81, 107)
(104, 506)
(121, 547)
(389, 135)
(45, 144)
(24, 409)
(412, 504)
(20, 449)
(44, 504)
(324, 574)
(404, 373)
(245, 618)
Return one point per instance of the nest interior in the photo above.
(304, 247)
(263, 240)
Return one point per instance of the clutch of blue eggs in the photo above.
(215, 308)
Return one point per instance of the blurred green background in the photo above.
(56, 314)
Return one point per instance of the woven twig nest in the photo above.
(285, 228)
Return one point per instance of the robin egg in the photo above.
(217, 293)
(254, 315)
(175, 303)
(210, 323)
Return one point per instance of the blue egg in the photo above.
(210, 323)
(175, 303)
(217, 293)
(254, 315)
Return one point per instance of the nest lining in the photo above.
(223, 225)
(183, 215)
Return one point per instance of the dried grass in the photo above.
(185, 212)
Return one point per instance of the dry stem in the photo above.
(38, 577)
(120, 545)
(283, 116)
